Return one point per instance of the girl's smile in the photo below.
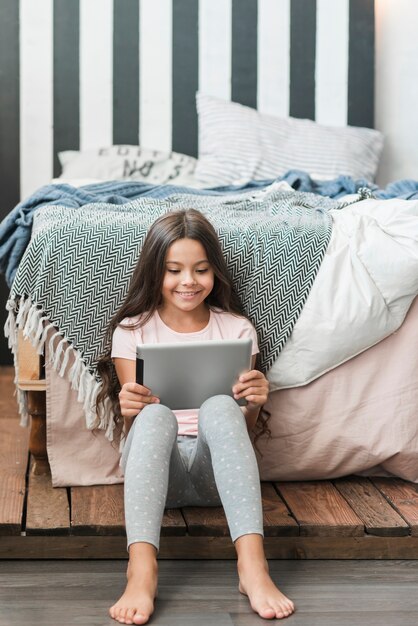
(187, 295)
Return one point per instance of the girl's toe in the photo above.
(121, 616)
(281, 611)
(130, 616)
(267, 612)
(285, 611)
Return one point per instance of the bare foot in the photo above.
(137, 603)
(265, 598)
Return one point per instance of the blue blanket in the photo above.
(15, 229)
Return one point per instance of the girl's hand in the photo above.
(133, 398)
(254, 387)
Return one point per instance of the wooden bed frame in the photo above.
(346, 518)
(31, 380)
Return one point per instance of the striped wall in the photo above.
(79, 74)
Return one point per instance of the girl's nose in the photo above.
(188, 280)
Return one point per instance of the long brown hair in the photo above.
(144, 293)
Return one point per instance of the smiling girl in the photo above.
(180, 291)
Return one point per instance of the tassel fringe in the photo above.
(26, 315)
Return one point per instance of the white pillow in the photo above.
(238, 144)
(127, 163)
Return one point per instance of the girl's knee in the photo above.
(159, 416)
(223, 406)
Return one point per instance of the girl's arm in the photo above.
(132, 397)
(253, 386)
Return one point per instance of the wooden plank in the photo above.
(99, 510)
(403, 496)
(29, 361)
(13, 463)
(32, 385)
(206, 521)
(187, 547)
(173, 523)
(211, 521)
(48, 510)
(277, 518)
(8, 404)
(320, 510)
(369, 504)
(36, 404)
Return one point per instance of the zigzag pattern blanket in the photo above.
(77, 268)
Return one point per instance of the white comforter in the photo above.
(362, 292)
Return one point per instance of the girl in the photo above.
(181, 291)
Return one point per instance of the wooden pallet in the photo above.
(348, 518)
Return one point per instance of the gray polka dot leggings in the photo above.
(217, 467)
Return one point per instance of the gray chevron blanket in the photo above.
(76, 271)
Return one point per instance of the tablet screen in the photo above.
(184, 375)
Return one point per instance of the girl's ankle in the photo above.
(142, 556)
(249, 562)
(142, 550)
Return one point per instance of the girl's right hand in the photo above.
(133, 398)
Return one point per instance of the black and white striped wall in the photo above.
(79, 74)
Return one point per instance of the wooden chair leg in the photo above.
(37, 438)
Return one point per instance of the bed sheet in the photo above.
(360, 418)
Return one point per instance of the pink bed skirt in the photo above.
(359, 418)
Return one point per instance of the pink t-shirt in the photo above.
(221, 325)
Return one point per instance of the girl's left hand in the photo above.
(253, 386)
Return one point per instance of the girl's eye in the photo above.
(177, 271)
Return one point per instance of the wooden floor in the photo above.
(204, 593)
(347, 518)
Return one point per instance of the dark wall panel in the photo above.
(126, 72)
(302, 58)
(185, 76)
(66, 78)
(244, 52)
(9, 134)
(9, 105)
(361, 64)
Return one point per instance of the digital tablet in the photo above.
(184, 375)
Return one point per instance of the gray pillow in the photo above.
(120, 162)
(238, 144)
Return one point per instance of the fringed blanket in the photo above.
(75, 272)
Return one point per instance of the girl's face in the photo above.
(188, 277)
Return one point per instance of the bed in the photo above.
(338, 324)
